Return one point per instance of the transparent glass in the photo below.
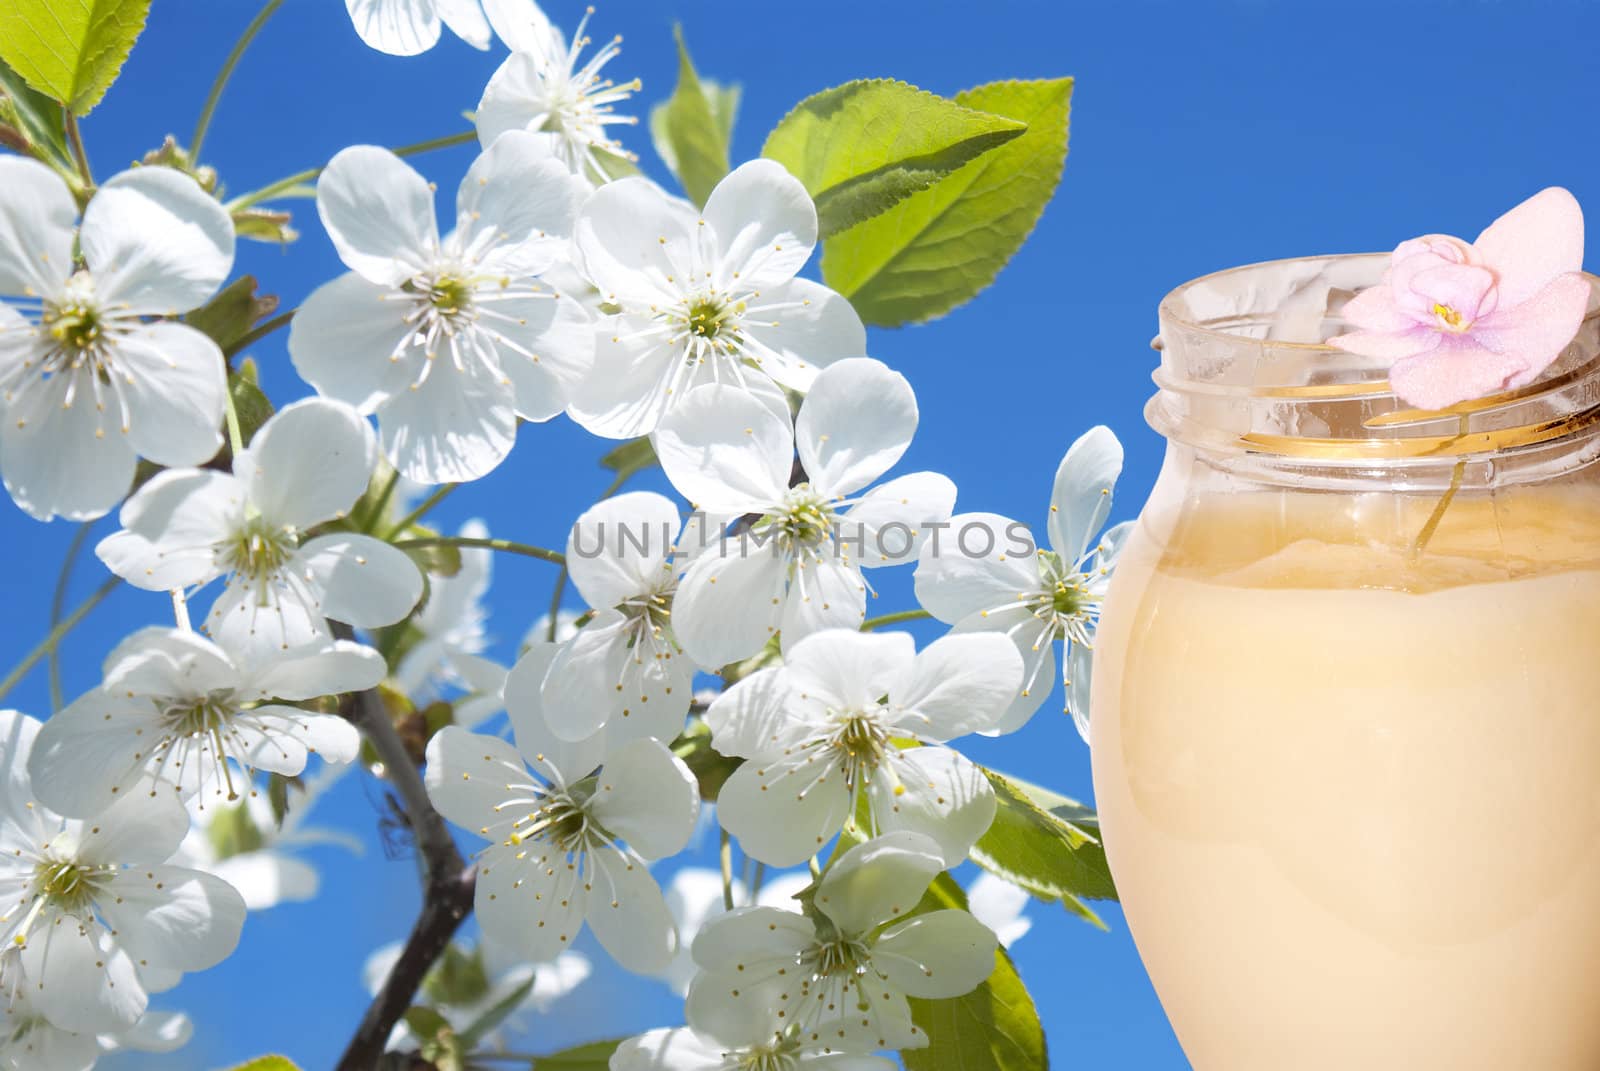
(1346, 745)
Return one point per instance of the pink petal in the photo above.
(1454, 372)
(1373, 309)
(1466, 288)
(1533, 243)
(1388, 345)
(1535, 332)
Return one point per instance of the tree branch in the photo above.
(447, 891)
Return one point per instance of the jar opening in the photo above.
(1246, 369)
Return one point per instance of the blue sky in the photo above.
(1204, 134)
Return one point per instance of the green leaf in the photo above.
(35, 116)
(228, 317)
(631, 457)
(595, 1056)
(863, 147)
(1046, 844)
(994, 1028)
(937, 249)
(484, 1024)
(70, 51)
(249, 402)
(268, 1063)
(689, 134)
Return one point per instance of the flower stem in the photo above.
(203, 124)
(491, 544)
(261, 331)
(80, 155)
(275, 189)
(726, 856)
(438, 496)
(1456, 476)
(58, 604)
(375, 518)
(235, 433)
(48, 644)
(894, 619)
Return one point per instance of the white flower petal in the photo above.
(472, 776)
(88, 735)
(515, 99)
(879, 880)
(466, 21)
(155, 242)
(364, 581)
(620, 548)
(266, 878)
(936, 956)
(517, 204)
(458, 424)
(796, 329)
(526, 708)
(989, 568)
(308, 463)
(750, 936)
(753, 716)
(740, 1008)
(534, 905)
(765, 225)
(278, 738)
(579, 692)
(958, 684)
(783, 810)
(309, 672)
(855, 423)
(378, 211)
(547, 354)
(255, 621)
(728, 606)
(625, 395)
(849, 670)
(824, 593)
(1038, 663)
(174, 917)
(37, 215)
(64, 459)
(523, 27)
(725, 451)
(343, 337)
(1079, 672)
(999, 905)
(137, 830)
(79, 980)
(947, 798)
(627, 913)
(171, 527)
(636, 243)
(1081, 498)
(157, 1032)
(176, 387)
(647, 797)
(657, 687)
(678, 1049)
(397, 27)
(894, 520)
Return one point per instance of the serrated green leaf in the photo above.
(35, 116)
(1052, 856)
(633, 456)
(994, 1028)
(937, 249)
(863, 147)
(268, 1063)
(595, 1056)
(232, 312)
(249, 402)
(694, 136)
(70, 50)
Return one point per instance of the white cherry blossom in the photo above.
(305, 467)
(694, 896)
(1042, 597)
(449, 340)
(622, 671)
(411, 27)
(543, 88)
(176, 712)
(29, 1042)
(94, 372)
(797, 567)
(705, 296)
(843, 978)
(451, 637)
(94, 912)
(822, 730)
(568, 844)
(999, 905)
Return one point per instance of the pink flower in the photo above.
(1460, 321)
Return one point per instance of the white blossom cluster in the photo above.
(553, 290)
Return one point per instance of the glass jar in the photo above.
(1346, 742)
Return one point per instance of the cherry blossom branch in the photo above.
(58, 605)
(506, 545)
(208, 109)
(48, 644)
(894, 619)
(447, 892)
(289, 182)
(422, 510)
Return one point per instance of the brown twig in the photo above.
(447, 888)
